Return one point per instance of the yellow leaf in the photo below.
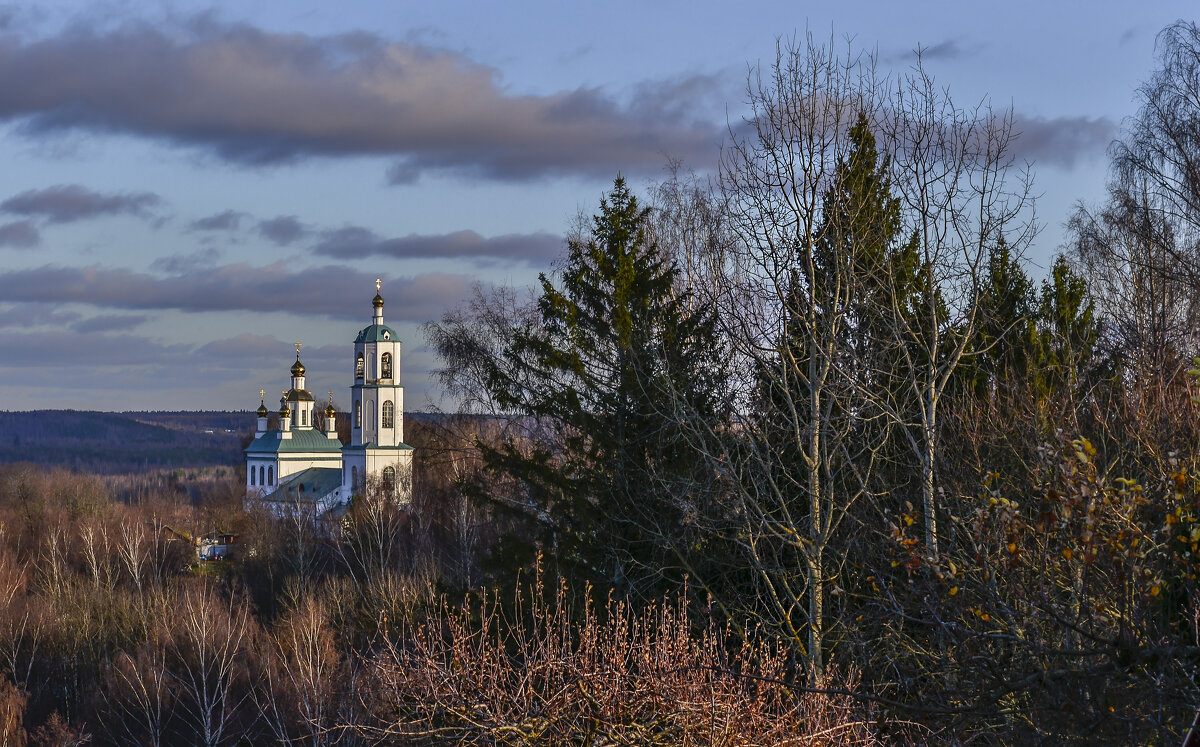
(1067, 553)
(1012, 547)
(953, 590)
(908, 520)
(1154, 591)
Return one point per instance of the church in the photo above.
(298, 467)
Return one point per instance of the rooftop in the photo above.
(302, 440)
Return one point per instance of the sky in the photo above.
(190, 188)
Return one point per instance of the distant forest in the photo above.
(112, 443)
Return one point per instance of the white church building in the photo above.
(298, 467)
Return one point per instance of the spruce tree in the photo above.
(617, 348)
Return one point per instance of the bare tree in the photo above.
(209, 641)
(139, 696)
(305, 678)
(1142, 281)
(962, 193)
(1159, 151)
(792, 472)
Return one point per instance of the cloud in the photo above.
(66, 203)
(176, 264)
(32, 349)
(108, 323)
(332, 290)
(355, 242)
(1061, 141)
(946, 50)
(255, 97)
(21, 234)
(282, 230)
(28, 315)
(229, 220)
(246, 346)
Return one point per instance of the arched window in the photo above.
(389, 414)
(358, 414)
(385, 366)
(271, 475)
(252, 474)
(389, 479)
(353, 479)
(304, 416)
(261, 475)
(358, 367)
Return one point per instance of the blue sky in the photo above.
(191, 187)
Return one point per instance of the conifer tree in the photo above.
(1068, 332)
(1005, 335)
(615, 346)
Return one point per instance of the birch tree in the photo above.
(787, 300)
(962, 193)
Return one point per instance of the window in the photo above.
(389, 479)
(389, 414)
(358, 414)
(304, 416)
(358, 367)
(252, 474)
(385, 366)
(353, 479)
(271, 475)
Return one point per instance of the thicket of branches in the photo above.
(353, 630)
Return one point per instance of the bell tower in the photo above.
(377, 454)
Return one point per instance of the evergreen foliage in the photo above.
(615, 346)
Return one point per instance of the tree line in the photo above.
(823, 393)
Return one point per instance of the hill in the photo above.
(109, 443)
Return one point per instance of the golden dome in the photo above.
(297, 368)
(262, 410)
(377, 301)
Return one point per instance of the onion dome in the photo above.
(377, 301)
(329, 411)
(284, 412)
(297, 368)
(262, 410)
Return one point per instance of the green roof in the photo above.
(378, 333)
(302, 440)
(307, 485)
